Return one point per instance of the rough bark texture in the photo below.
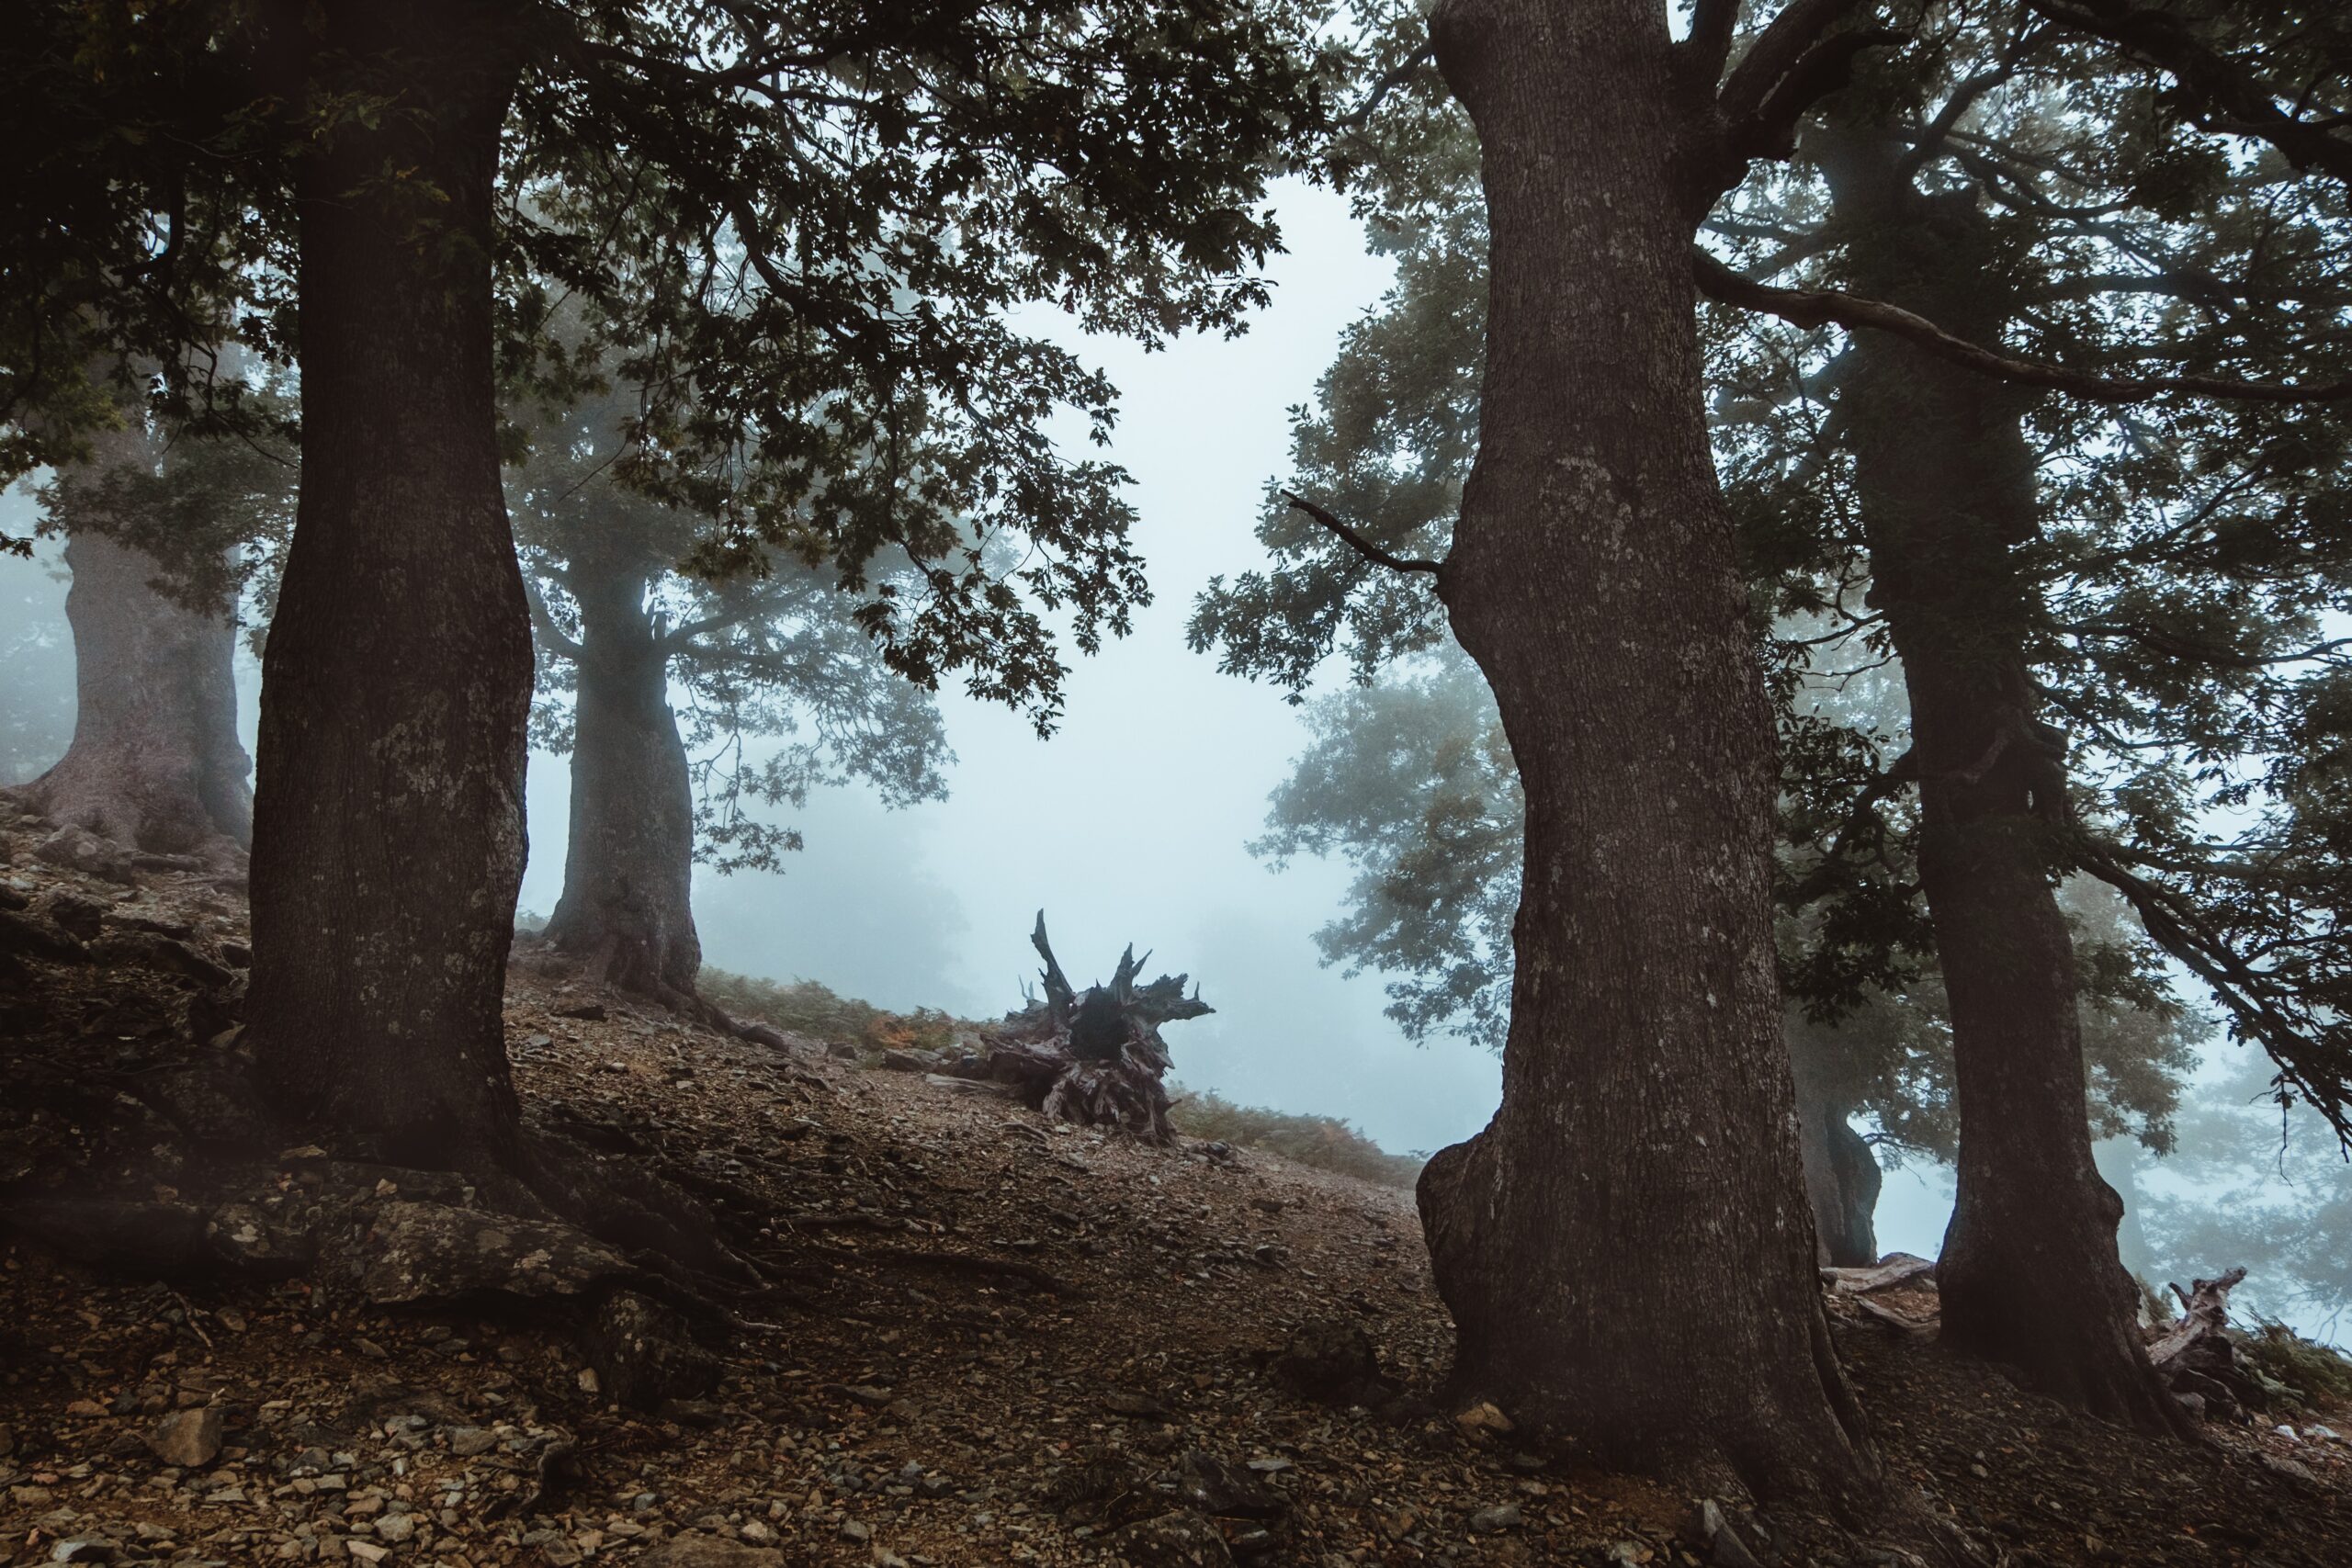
(1627, 1248)
(2029, 1272)
(629, 865)
(388, 841)
(155, 763)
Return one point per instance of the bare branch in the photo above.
(1822, 307)
(1363, 546)
(1784, 42)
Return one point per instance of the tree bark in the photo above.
(1945, 478)
(389, 835)
(155, 763)
(1626, 1247)
(628, 866)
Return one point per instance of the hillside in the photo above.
(974, 1338)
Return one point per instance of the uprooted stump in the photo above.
(2197, 1360)
(1093, 1057)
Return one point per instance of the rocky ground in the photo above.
(977, 1339)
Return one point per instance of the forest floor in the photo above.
(1008, 1342)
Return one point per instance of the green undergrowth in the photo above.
(2310, 1372)
(1324, 1141)
(800, 1007)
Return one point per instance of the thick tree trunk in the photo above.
(388, 833)
(1635, 1204)
(2028, 1273)
(629, 866)
(155, 763)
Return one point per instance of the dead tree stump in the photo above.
(1093, 1057)
(2195, 1356)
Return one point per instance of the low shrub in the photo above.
(1325, 1142)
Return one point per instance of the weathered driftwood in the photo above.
(1093, 1057)
(2195, 1356)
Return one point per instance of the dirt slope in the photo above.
(990, 1341)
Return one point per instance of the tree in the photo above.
(1793, 492)
(1592, 576)
(153, 530)
(758, 201)
(758, 656)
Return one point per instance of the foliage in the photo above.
(804, 231)
(1324, 1141)
(2312, 1372)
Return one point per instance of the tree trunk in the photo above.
(1841, 1175)
(388, 833)
(155, 762)
(1945, 478)
(1626, 1247)
(629, 866)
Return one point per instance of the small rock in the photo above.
(861, 1393)
(189, 1439)
(366, 1551)
(856, 1530)
(1483, 1416)
(587, 1012)
(916, 1061)
(395, 1527)
(467, 1441)
(1491, 1521)
(1267, 1205)
(85, 1548)
(1209, 1484)
(1119, 1403)
(2293, 1468)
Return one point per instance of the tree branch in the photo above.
(549, 633)
(2245, 107)
(1363, 546)
(1775, 53)
(1821, 307)
(1713, 23)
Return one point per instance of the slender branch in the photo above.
(1363, 546)
(1821, 307)
(548, 630)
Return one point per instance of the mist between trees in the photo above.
(1839, 535)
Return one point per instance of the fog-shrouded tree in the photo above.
(769, 660)
(160, 535)
(806, 226)
(1389, 515)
